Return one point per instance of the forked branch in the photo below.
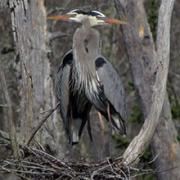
(142, 140)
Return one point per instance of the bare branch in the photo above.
(41, 123)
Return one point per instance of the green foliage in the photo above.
(122, 141)
(178, 138)
(130, 86)
(145, 159)
(152, 13)
(147, 177)
(109, 11)
(147, 155)
(175, 109)
(136, 114)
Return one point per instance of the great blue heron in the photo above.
(86, 78)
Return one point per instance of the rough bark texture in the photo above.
(146, 65)
(11, 119)
(165, 146)
(6, 63)
(3, 4)
(29, 31)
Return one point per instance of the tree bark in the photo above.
(28, 20)
(145, 62)
(165, 146)
(11, 119)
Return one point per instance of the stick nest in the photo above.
(38, 165)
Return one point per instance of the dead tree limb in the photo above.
(142, 140)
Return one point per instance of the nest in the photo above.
(39, 165)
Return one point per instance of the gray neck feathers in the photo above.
(85, 51)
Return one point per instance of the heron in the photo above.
(85, 78)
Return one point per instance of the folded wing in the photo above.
(113, 88)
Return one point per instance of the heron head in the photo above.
(93, 17)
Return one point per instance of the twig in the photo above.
(48, 157)
(44, 165)
(154, 159)
(105, 167)
(150, 171)
(41, 123)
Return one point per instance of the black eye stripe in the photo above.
(97, 13)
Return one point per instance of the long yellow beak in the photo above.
(62, 18)
(106, 20)
(114, 21)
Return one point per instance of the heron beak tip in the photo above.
(62, 18)
(115, 21)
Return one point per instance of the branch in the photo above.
(142, 140)
(41, 123)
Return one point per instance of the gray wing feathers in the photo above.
(113, 87)
(62, 90)
(62, 87)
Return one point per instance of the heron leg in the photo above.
(109, 114)
(101, 121)
(89, 129)
(83, 122)
(110, 117)
(75, 126)
(68, 124)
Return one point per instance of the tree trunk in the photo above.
(6, 56)
(28, 20)
(165, 146)
(143, 60)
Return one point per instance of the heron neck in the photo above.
(85, 49)
(86, 25)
